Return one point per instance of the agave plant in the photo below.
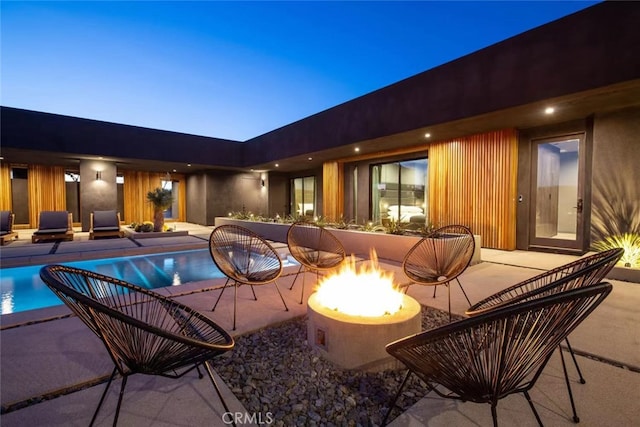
(630, 242)
(161, 199)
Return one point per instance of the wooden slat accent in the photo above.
(332, 190)
(473, 182)
(5, 187)
(47, 191)
(136, 186)
(182, 197)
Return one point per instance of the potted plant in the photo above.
(161, 199)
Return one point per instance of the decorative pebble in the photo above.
(298, 387)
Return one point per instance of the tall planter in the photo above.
(161, 199)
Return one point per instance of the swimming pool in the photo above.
(21, 287)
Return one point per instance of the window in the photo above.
(399, 192)
(303, 196)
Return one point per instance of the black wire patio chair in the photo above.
(246, 259)
(581, 272)
(485, 358)
(143, 332)
(439, 258)
(315, 248)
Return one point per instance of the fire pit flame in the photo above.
(368, 292)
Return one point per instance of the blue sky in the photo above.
(235, 69)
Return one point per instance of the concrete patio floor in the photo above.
(61, 357)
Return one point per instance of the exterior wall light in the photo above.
(98, 175)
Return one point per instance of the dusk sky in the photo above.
(235, 70)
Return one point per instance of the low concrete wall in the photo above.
(390, 247)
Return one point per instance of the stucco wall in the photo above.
(97, 195)
(196, 195)
(616, 174)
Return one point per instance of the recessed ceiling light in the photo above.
(549, 110)
(427, 135)
(310, 158)
(356, 149)
(189, 164)
(277, 165)
(175, 170)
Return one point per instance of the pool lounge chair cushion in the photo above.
(53, 225)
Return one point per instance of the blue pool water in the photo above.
(22, 289)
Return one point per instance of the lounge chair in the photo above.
(105, 224)
(6, 227)
(53, 225)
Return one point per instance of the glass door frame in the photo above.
(560, 244)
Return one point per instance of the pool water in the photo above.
(21, 287)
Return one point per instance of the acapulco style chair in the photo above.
(143, 332)
(315, 248)
(439, 258)
(581, 272)
(245, 258)
(470, 360)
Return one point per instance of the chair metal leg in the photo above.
(220, 296)
(575, 362)
(494, 414)
(533, 408)
(576, 419)
(434, 290)
(449, 299)
(296, 278)
(395, 399)
(215, 385)
(461, 288)
(122, 386)
(304, 278)
(104, 394)
(255, 298)
(279, 293)
(235, 304)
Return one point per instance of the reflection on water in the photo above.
(21, 288)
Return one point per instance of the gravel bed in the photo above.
(283, 382)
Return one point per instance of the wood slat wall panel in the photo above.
(47, 191)
(136, 186)
(5, 187)
(473, 182)
(182, 197)
(332, 190)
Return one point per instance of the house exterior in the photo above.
(531, 142)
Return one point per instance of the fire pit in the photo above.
(353, 315)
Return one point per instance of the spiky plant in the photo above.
(630, 242)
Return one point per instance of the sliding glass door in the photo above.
(399, 192)
(303, 197)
